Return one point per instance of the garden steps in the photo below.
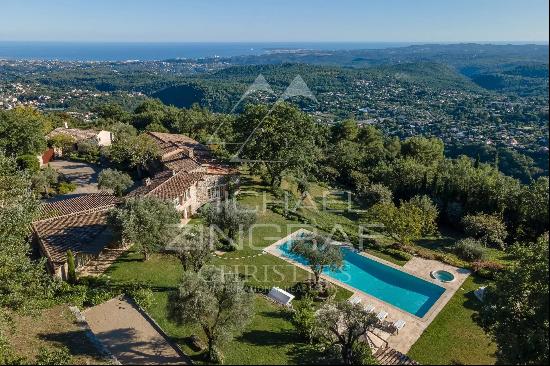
(100, 264)
(389, 356)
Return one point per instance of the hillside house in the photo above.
(99, 138)
(78, 224)
(186, 174)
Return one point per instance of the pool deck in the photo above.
(415, 326)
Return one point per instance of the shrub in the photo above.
(86, 148)
(114, 180)
(362, 355)
(327, 173)
(28, 162)
(70, 294)
(55, 356)
(398, 254)
(487, 269)
(66, 187)
(489, 229)
(304, 318)
(98, 295)
(470, 250)
(376, 193)
(143, 296)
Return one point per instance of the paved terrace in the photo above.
(415, 326)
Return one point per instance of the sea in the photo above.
(117, 51)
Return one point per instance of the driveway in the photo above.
(130, 336)
(84, 175)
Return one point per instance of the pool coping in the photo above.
(430, 315)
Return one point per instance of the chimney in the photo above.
(66, 125)
(147, 182)
(189, 152)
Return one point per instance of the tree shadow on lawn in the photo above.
(309, 354)
(473, 303)
(127, 259)
(250, 185)
(269, 338)
(276, 314)
(76, 341)
(443, 244)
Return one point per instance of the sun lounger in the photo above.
(382, 315)
(369, 308)
(355, 300)
(398, 325)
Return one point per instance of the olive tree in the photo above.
(115, 180)
(24, 283)
(136, 151)
(192, 247)
(429, 213)
(320, 254)
(218, 302)
(148, 223)
(62, 141)
(343, 325)
(229, 217)
(43, 180)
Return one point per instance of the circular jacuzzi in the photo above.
(443, 276)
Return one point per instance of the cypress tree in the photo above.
(71, 275)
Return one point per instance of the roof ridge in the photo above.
(167, 180)
(90, 210)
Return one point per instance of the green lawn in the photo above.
(51, 328)
(455, 337)
(271, 337)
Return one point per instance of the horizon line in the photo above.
(270, 41)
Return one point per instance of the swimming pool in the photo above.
(402, 290)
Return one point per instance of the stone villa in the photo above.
(186, 174)
(99, 138)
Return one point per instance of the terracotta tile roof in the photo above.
(185, 162)
(151, 184)
(78, 223)
(175, 186)
(76, 133)
(76, 204)
(167, 185)
(170, 143)
(180, 161)
(219, 169)
(82, 232)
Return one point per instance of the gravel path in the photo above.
(129, 336)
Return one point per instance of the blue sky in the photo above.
(271, 20)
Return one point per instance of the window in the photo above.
(185, 196)
(216, 193)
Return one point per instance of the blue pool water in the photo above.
(402, 290)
